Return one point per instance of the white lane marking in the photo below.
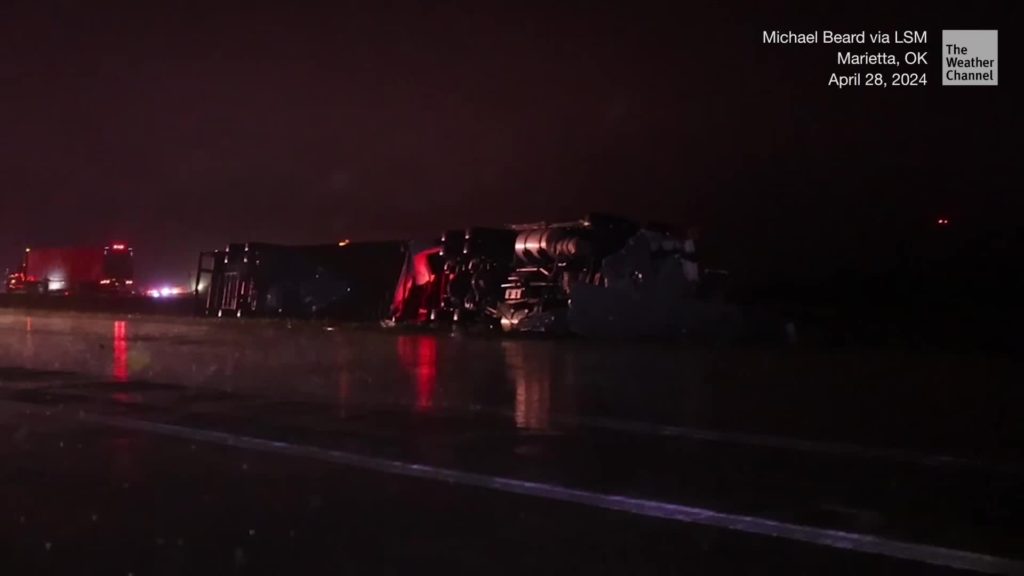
(710, 435)
(706, 435)
(749, 524)
(784, 443)
(759, 440)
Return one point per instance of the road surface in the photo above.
(146, 445)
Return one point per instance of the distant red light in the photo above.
(117, 247)
(942, 221)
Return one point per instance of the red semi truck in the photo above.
(78, 270)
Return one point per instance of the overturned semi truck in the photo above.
(600, 276)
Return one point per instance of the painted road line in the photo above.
(787, 443)
(853, 541)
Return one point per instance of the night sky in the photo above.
(182, 128)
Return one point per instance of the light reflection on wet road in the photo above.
(860, 441)
(814, 396)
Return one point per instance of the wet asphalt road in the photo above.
(174, 446)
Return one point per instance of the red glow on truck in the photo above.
(74, 270)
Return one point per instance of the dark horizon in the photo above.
(182, 129)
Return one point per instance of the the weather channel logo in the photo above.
(970, 57)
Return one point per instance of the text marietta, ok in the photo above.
(880, 58)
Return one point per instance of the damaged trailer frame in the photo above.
(350, 281)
